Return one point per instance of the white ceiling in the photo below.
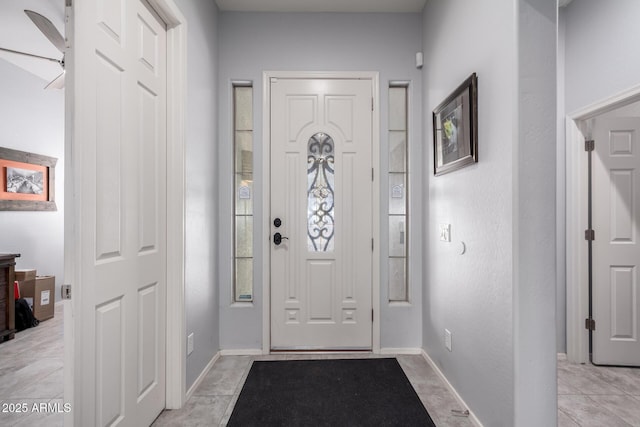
(17, 32)
(361, 6)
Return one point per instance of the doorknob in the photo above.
(277, 238)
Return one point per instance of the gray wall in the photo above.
(602, 39)
(33, 121)
(500, 208)
(534, 174)
(251, 43)
(201, 191)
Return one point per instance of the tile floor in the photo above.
(31, 372)
(213, 401)
(597, 396)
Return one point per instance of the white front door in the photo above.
(321, 214)
(616, 248)
(116, 211)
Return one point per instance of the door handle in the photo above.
(277, 238)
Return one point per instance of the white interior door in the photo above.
(616, 248)
(116, 191)
(321, 193)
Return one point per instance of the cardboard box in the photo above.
(22, 275)
(42, 290)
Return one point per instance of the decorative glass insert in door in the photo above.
(320, 192)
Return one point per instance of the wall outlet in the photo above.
(445, 232)
(447, 339)
(190, 343)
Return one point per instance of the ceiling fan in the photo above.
(54, 36)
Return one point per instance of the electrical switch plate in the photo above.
(445, 232)
(190, 343)
(447, 339)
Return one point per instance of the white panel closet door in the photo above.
(118, 145)
(616, 248)
(321, 192)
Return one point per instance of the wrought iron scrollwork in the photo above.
(320, 201)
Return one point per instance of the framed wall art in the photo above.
(27, 181)
(455, 129)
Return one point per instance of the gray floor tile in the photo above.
(198, 411)
(625, 407)
(565, 421)
(586, 380)
(225, 376)
(31, 372)
(587, 413)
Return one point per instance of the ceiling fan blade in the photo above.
(48, 29)
(17, 52)
(57, 83)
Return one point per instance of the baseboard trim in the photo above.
(241, 352)
(202, 376)
(472, 417)
(393, 350)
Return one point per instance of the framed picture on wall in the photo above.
(26, 181)
(455, 129)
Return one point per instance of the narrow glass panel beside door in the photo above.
(398, 195)
(243, 189)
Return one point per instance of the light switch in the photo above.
(445, 232)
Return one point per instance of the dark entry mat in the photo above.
(345, 392)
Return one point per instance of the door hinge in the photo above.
(371, 174)
(372, 104)
(65, 291)
(372, 245)
(589, 145)
(589, 235)
(590, 324)
(372, 314)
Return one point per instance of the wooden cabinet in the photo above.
(7, 300)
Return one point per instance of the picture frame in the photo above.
(27, 181)
(455, 129)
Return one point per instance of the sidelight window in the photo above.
(398, 194)
(243, 186)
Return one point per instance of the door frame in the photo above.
(175, 307)
(266, 189)
(577, 266)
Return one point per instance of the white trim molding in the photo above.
(266, 182)
(242, 352)
(399, 351)
(576, 220)
(176, 340)
(472, 417)
(202, 376)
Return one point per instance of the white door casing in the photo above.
(116, 224)
(616, 248)
(322, 191)
(576, 131)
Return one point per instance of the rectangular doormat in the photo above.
(345, 392)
